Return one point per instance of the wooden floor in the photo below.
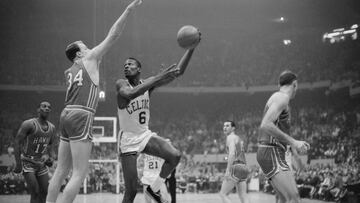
(255, 197)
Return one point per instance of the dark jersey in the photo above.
(81, 89)
(282, 122)
(36, 142)
(239, 149)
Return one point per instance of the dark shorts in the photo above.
(239, 172)
(271, 160)
(34, 167)
(76, 124)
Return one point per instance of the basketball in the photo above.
(188, 37)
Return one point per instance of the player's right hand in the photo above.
(301, 146)
(18, 168)
(134, 4)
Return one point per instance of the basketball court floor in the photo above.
(255, 197)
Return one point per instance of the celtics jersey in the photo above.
(36, 143)
(134, 119)
(152, 168)
(81, 89)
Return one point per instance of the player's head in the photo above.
(289, 79)
(132, 67)
(44, 109)
(229, 127)
(76, 50)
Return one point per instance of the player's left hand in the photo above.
(49, 162)
(44, 157)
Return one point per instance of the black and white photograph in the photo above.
(180, 101)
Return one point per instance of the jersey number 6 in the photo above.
(142, 117)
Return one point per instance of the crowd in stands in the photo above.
(260, 64)
(332, 133)
(327, 182)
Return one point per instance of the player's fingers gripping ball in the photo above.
(188, 37)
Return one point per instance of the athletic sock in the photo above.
(155, 186)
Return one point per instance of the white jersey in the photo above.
(134, 119)
(152, 168)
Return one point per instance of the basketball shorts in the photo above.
(239, 172)
(271, 160)
(76, 123)
(130, 143)
(148, 179)
(29, 166)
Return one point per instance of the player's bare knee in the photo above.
(223, 195)
(295, 198)
(79, 175)
(62, 172)
(177, 157)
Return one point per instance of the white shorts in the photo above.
(148, 179)
(134, 143)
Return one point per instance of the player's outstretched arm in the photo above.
(125, 93)
(184, 61)
(181, 67)
(25, 128)
(114, 33)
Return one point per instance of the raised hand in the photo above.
(134, 4)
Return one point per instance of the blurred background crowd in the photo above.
(232, 73)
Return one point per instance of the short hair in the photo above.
(71, 51)
(232, 123)
(42, 103)
(287, 77)
(137, 61)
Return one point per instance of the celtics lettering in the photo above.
(137, 105)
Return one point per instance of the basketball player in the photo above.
(34, 142)
(81, 101)
(134, 114)
(236, 171)
(274, 137)
(152, 167)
